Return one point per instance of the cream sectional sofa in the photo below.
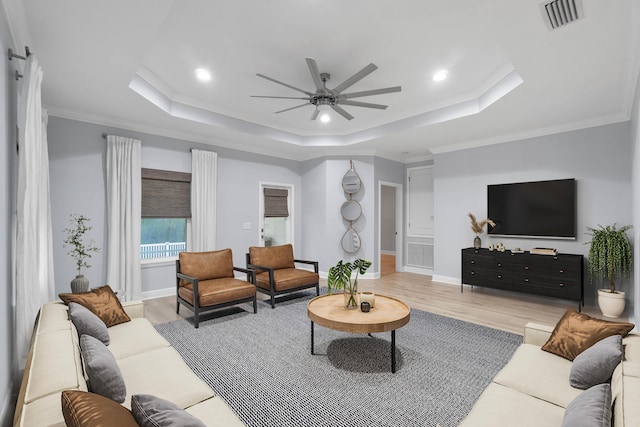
(148, 363)
(533, 388)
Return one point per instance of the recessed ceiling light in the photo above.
(440, 75)
(203, 75)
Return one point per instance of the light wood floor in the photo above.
(508, 311)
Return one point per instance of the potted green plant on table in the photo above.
(610, 257)
(79, 251)
(340, 278)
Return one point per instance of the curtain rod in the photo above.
(14, 55)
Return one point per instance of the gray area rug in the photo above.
(261, 365)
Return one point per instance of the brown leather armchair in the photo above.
(205, 282)
(276, 273)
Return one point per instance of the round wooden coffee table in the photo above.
(387, 315)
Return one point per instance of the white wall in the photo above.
(599, 158)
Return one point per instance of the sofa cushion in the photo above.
(631, 362)
(104, 374)
(214, 412)
(218, 291)
(596, 364)
(87, 323)
(275, 257)
(539, 374)
(206, 265)
(56, 365)
(137, 336)
(102, 302)
(500, 406)
(575, 332)
(176, 383)
(152, 411)
(82, 409)
(592, 408)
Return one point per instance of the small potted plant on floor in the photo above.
(610, 257)
(79, 251)
(340, 278)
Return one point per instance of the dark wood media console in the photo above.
(559, 276)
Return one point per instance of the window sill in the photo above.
(158, 262)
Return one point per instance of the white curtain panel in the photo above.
(204, 183)
(123, 216)
(34, 251)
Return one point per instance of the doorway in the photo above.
(276, 214)
(390, 228)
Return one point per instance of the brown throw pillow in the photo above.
(576, 332)
(102, 302)
(84, 409)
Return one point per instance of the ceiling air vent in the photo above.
(558, 13)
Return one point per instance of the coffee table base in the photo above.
(393, 347)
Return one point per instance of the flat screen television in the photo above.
(541, 209)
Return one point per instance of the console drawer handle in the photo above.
(526, 267)
(473, 262)
(562, 285)
(561, 271)
(473, 273)
(499, 264)
(499, 276)
(526, 280)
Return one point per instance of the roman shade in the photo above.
(166, 194)
(276, 203)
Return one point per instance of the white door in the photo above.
(276, 229)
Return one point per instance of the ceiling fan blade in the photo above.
(284, 84)
(314, 115)
(315, 74)
(340, 111)
(355, 78)
(363, 104)
(293, 108)
(278, 97)
(371, 92)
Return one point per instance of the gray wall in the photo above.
(77, 152)
(9, 375)
(388, 219)
(599, 158)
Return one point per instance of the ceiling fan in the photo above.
(335, 97)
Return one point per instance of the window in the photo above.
(166, 209)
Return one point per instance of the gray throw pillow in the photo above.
(87, 323)
(152, 411)
(596, 364)
(104, 374)
(591, 408)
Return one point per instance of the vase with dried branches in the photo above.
(478, 228)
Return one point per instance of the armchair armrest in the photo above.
(259, 268)
(185, 277)
(304, 261)
(134, 309)
(251, 274)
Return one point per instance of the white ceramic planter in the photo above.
(611, 304)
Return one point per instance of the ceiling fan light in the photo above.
(325, 118)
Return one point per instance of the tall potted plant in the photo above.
(79, 251)
(610, 257)
(340, 278)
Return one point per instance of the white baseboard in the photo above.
(446, 279)
(418, 270)
(158, 293)
(388, 252)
